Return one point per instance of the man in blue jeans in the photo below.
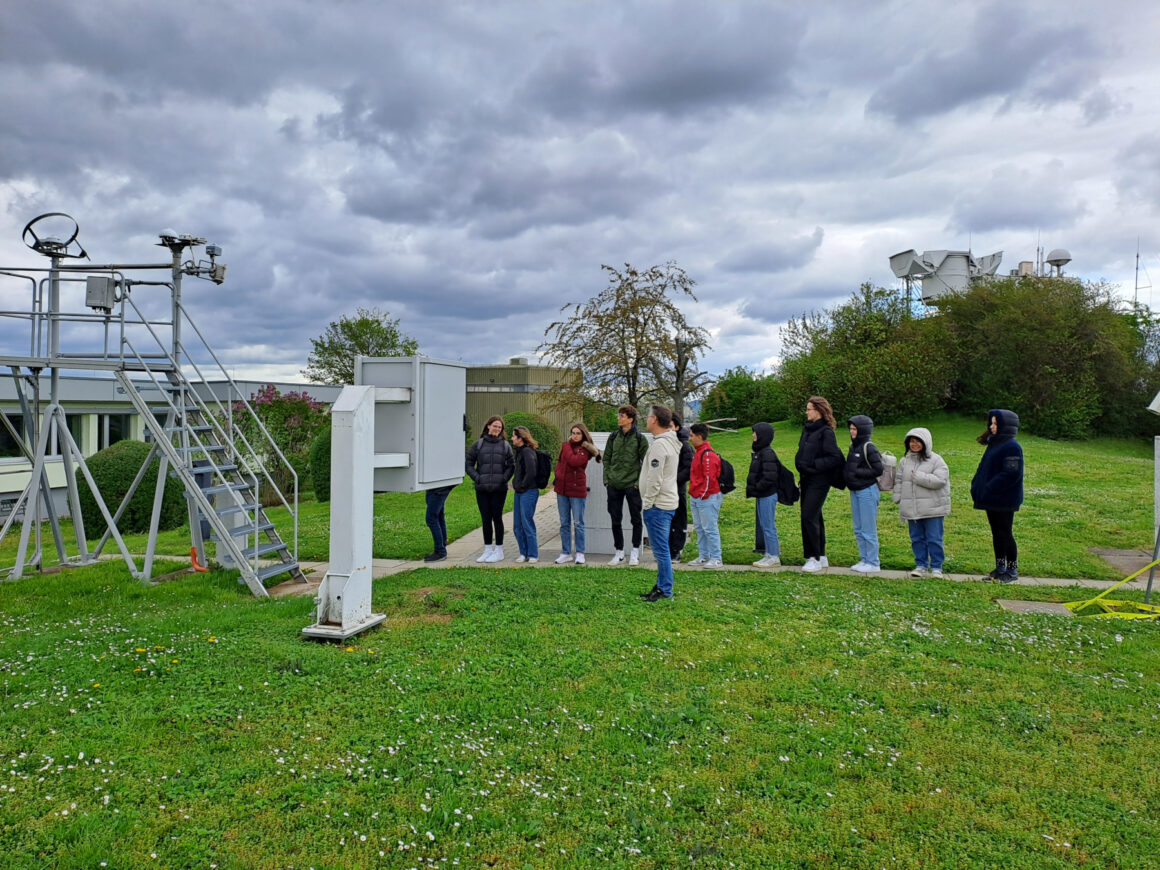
(658, 495)
(437, 522)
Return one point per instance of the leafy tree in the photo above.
(867, 355)
(1063, 354)
(293, 420)
(630, 341)
(746, 396)
(369, 333)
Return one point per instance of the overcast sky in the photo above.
(469, 166)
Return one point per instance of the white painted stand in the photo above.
(344, 597)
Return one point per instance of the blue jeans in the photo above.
(571, 510)
(926, 540)
(705, 513)
(864, 507)
(767, 520)
(659, 523)
(525, 523)
(436, 519)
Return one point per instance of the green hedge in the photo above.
(542, 430)
(113, 470)
(320, 465)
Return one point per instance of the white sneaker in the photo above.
(823, 561)
(767, 562)
(533, 560)
(713, 563)
(579, 558)
(936, 572)
(563, 559)
(617, 558)
(866, 568)
(698, 562)
(634, 556)
(812, 566)
(485, 556)
(496, 554)
(917, 571)
(520, 558)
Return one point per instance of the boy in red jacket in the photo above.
(705, 497)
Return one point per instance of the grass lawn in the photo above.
(548, 718)
(1079, 494)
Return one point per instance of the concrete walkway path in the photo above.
(463, 553)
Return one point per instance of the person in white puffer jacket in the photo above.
(922, 491)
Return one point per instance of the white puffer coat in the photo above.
(922, 481)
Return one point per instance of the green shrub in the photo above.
(747, 397)
(599, 417)
(542, 430)
(113, 470)
(320, 465)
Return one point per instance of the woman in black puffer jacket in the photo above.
(818, 459)
(997, 488)
(491, 464)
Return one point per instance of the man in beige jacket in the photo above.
(658, 495)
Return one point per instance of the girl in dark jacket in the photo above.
(527, 495)
(490, 465)
(818, 458)
(572, 490)
(997, 488)
(861, 472)
(761, 484)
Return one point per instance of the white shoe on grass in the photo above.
(713, 564)
(579, 558)
(563, 559)
(617, 558)
(520, 558)
(698, 562)
(812, 566)
(634, 556)
(767, 562)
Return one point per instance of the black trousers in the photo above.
(679, 531)
(491, 512)
(813, 498)
(616, 499)
(1002, 536)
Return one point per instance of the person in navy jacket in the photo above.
(997, 488)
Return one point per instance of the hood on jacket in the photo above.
(1008, 422)
(923, 435)
(764, 433)
(865, 426)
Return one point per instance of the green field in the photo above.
(548, 718)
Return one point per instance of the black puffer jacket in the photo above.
(818, 452)
(764, 467)
(863, 462)
(525, 476)
(490, 463)
(685, 460)
(998, 482)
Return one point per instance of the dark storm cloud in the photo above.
(774, 255)
(1007, 53)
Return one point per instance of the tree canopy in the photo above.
(370, 332)
(630, 341)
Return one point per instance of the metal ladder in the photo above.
(194, 443)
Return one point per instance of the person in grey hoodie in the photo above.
(863, 468)
(922, 491)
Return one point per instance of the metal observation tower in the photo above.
(121, 325)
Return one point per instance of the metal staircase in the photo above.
(222, 472)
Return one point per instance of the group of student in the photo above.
(678, 472)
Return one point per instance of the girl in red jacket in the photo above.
(572, 490)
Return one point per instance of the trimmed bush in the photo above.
(320, 465)
(113, 470)
(542, 430)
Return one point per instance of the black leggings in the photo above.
(814, 492)
(491, 512)
(1002, 538)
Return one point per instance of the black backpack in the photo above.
(543, 469)
(787, 490)
(727, 480)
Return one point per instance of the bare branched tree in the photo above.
(631, 341)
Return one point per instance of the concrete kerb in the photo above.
(463, 552)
